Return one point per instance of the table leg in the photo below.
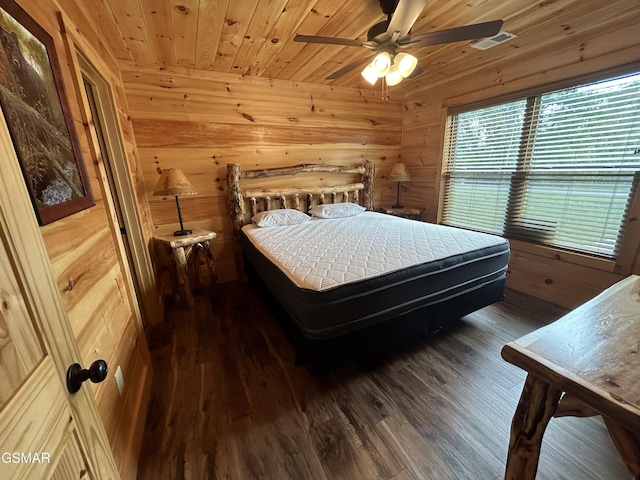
(627, 443)
(208, 257)
(183, 275)
(537, 404)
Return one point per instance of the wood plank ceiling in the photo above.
(254, 37)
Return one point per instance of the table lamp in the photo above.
(173, 182)
(399, 173)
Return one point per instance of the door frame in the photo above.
(25, 247)
(146, 302)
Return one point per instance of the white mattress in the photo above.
(326, 253)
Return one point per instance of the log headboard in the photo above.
(256, 199)
(244, 204)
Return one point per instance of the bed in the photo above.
(350, 286)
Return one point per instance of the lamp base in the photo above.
(182, 233)
(397, 206)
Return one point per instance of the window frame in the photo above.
(630, 242)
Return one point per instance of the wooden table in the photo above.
(592, 355)
(181, 249)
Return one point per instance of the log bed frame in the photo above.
(333, 352)
(243, 206)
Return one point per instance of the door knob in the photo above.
(97, 372)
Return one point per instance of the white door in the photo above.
(45, 432)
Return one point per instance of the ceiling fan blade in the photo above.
(328, 40)
(406, 14)
(348, 68)
(458, 34)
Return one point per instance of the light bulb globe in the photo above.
(369, 74)
(381, 63)
(406, 63)
(394, 77)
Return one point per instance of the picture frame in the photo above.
(35, 107)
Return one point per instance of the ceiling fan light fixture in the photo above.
(369, 74)
(394, 76)
(406, 63)
(381, 63)
(386, 38)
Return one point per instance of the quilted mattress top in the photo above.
(325, 253)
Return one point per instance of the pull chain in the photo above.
(385, 90)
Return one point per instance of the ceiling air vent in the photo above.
(493, 41)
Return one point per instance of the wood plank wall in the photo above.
(199, 121)
(545, 273)
(84, 258)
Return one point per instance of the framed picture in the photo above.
(35, 108)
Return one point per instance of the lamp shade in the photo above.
(370, 75)
(394, 77)
(173, 182)
(406, 63)
(399, 173)
(381, 63)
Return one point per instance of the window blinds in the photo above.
(556, 169)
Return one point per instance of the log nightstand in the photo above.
(410, 213)
(181, 250)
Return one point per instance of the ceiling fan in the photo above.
(387, 39)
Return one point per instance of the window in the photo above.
(558, 168)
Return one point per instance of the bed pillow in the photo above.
(280, 217)
(337, 210)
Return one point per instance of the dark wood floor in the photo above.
(228, 402)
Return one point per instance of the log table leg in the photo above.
(537, 404)
(183, 276)
(628, 445)
(205, 251)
